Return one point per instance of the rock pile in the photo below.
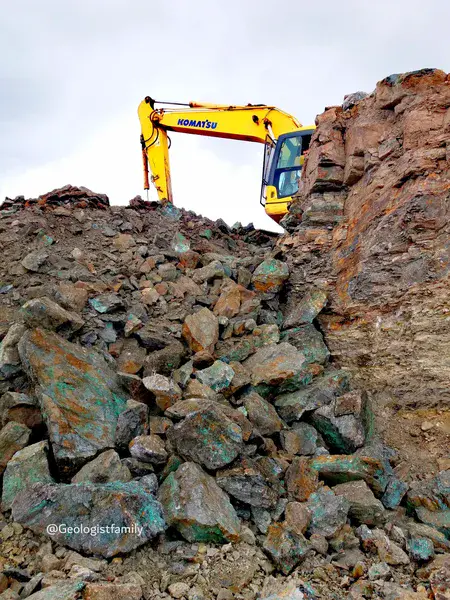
(153, 389)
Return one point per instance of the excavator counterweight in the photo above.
(285, 140)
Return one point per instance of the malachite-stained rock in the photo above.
(278, 367)
(328, 512)
(43, 312)
(439, 519)
(132, 325)
(364, 507)
(105, 468)
(341, 468)
(285, 547)
(170, 211)
(270, 275)
(201, 330)
(247, 482)
(395, 491)
(262, 414)
(266, 334)
(13, 437)
(206, 233)
(306, 309)
(194, 504)
(420, 549)
(291, 407)
(79, 396)
(301, 480)
(180, 243)
(425, 531)
(309, 341)
(236, 350)
(432, 494)
(99, 514)
(218, 376)
(308, 438)
(106, 303)
(207, 437)
(60, 591)
(343, 434)
(26, 467)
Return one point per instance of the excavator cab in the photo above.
(283, 162)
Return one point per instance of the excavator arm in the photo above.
(252, 123)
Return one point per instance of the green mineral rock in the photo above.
(306, 309)
(26, 467)
(328, 512)
(341, 468)
(180, 243)
(321, 392)
(103, 511)
(194, 504)
(420, 549)
(285, 547)
(207, 437)
(79, 394)
(309, 341)
(218, 376)
(270, 275)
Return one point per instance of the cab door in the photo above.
(282, 171)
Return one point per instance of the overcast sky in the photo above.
(73, 72)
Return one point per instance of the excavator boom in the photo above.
(252, 123)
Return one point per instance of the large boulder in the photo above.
(43, 312)
(207, 437)
(105, 519)
(79, 396)
(278, 368)
(322, 391)
(194, 504)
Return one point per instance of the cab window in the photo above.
(290, 153)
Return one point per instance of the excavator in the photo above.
(285, 143)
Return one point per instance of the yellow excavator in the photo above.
(285, 140)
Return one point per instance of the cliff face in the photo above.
(371, 228)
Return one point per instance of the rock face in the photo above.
(197, 507)
(106, 508)
(371, 226)
(79, 396)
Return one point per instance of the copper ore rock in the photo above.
(207, 437)
(79, 396)
(95, 507)
(194, 504)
